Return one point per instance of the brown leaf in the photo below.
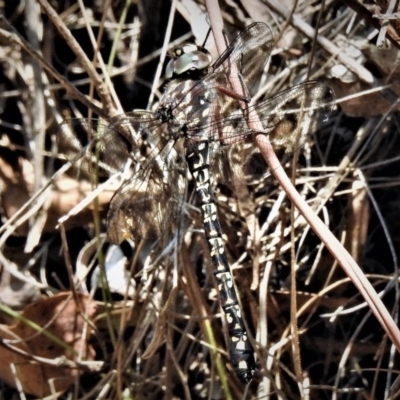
(61, 316)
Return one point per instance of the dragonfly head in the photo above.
(188, 62)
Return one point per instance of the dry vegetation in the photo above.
(155, 330)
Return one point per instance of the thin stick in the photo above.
(13, 37)
(82, 58)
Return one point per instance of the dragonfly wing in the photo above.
(287, 118)
(152, 197)
(132, 143)
(249, 51)
(239, 163)
(77, 140)
(290, 116)
(148, 202)
(104, 146)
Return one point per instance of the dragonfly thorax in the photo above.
(185, 106)
(164, 113)
(188, 62)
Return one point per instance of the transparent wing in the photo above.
(77, 140)
(152, 194)
(249, 51)
(105, 146)
(287, 118)
(147, 204)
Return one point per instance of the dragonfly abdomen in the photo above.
(240, 349)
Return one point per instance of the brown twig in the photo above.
(13, 37)
(82, 58)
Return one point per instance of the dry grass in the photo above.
(162, 335)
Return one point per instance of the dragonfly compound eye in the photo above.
(195, 60)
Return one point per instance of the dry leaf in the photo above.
(62, 317)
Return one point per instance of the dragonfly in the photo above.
(198, 129)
